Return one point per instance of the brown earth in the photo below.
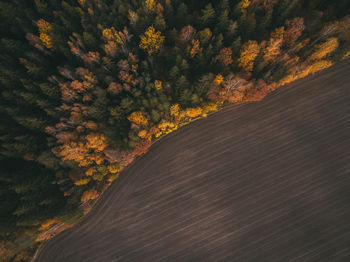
(265, 181)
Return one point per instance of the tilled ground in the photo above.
(266, 181)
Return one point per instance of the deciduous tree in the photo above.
(151, 41)
(249, 52)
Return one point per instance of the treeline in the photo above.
(87, 85)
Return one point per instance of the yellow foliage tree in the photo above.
(44, 30)
(138, 118)
(324, 49)
(315, 67)
(301, 71)
(244, 5)
(209, 107)
(275, 43)
(175, 110)
(347, 54)
(119, 37)
(166, 127)
(82, 182)
(113, 168)
(48, 223)
(151, 5)
(158, 84)
(46, 40)
(249, 52)
(96, 141)
(194, 112)
(218, 79)
(151, 40)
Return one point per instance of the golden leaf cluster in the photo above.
(84, 153)
(347, 54)
(44, 29)
(324, 49)
(244, 5)
(138, 118)
(111, 34)
(194, 112)
(175, 110)
(113, 168)
(46, 40)
(249, 52)
(151, 5)
(151, 40)
(158, 84)
(218, 79)
(302, 71)
(82, 182)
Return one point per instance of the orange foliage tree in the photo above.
(142, 147)
(193, 112)
(89, 195)
(256, 92)
(194, 48)
(85, 151)
(225, 56)
(294, 30)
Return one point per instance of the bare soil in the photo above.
(264, 181)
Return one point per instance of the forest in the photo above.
(86, 86)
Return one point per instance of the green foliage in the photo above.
(279, 73)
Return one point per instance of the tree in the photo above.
(208, 14)
(273, 48)
(138, 118)
(294, 30)
(205, 35)
(187, 33)
(194, 112)
(150, 5)
(151, 41)
(225, 56)
(249, 52)
(322, 50)
(89, 195)
(142, 147)
(44, 29)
